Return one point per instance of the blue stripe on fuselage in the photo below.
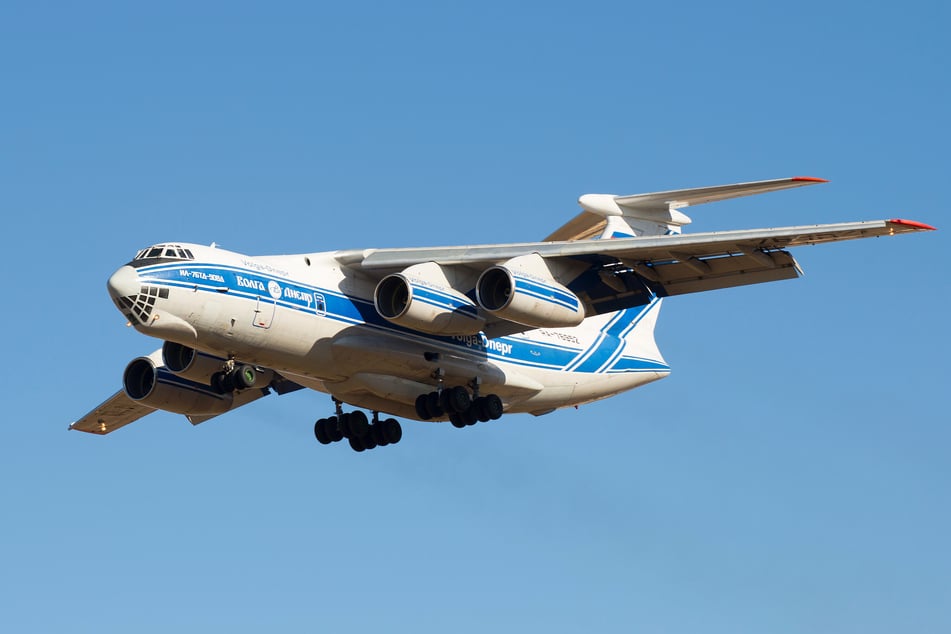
(253, 285)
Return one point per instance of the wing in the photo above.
(118, 411)
(625, 272)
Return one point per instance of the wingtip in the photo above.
(918, 226)
(809, 179)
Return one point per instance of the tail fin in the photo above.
(610, 216)
(625, 342)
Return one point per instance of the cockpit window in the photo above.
(164, 251)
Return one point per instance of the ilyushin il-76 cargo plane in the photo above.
(461, 334)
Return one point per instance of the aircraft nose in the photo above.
(124, 282)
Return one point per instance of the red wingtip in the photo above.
(912, 223)
(809, 179)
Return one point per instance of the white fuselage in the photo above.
(314, 322)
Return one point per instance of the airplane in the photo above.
(462, 334)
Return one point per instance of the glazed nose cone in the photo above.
(124, 282)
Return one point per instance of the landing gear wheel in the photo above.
(469, 416)
(244, 377)
(392, 430)
(493, 406)
(456, 420)
(320, 431)
(333, 429)
(369, 441)
(433, 407)
(359, 424)
(455, 400)
(222, 382)
(478, 406)
(357, 444)
(343, 422)
(378, 434)
(422, 407)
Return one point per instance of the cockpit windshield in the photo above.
(164, 251)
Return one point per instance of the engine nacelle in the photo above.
(155, 386)
(523, 290)
(422, 298)
(189, 363)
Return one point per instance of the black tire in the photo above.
(433, 406)
(320, 431)
(357, 444)
(392, 430)
(376, 430)
(368, 440)
(422, 408)
(222, 382)
(455, 399)
(481, 412)
(493, 407)
(244, 377)
(343, 422)
(457, 421)
(359, 424)
(469, 416)
(333, 430)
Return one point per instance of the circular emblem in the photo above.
(274, 289)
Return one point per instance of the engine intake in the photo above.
(523, 290)
(155, 386)
(422, 298)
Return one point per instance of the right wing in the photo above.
(120, 410)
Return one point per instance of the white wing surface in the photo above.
(118, 411)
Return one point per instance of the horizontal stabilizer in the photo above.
(662, 206)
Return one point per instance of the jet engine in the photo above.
(523, 290)
(189, 363)
(422, 297)
(155, 386)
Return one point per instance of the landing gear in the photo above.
(463, 410)
(238, 377)
(358, 430)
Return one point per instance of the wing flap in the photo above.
(681, 277)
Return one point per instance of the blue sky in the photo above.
(792, 473)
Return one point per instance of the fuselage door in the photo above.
(264, 312)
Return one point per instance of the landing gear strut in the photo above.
(358, 430)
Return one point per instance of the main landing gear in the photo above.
(358, 430)
(463, 409)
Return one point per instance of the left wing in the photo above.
(647, 249)
(624, 272)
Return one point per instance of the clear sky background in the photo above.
(791, 475)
